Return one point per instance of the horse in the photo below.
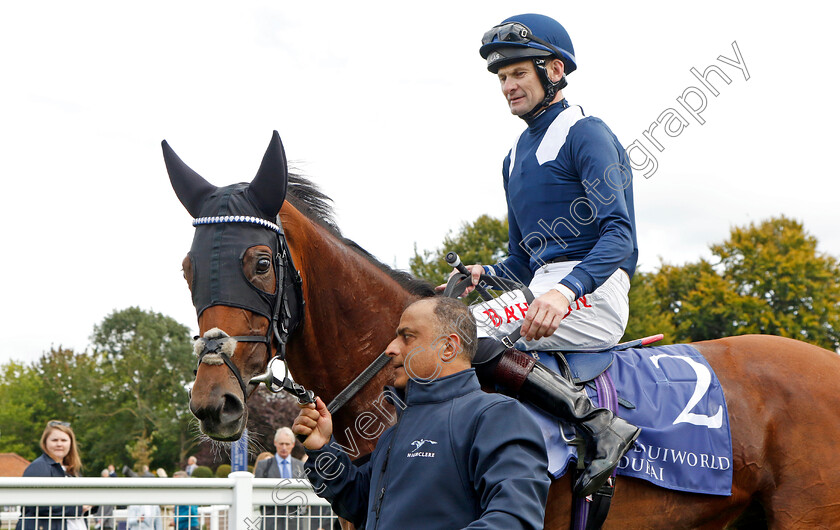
(782, 406)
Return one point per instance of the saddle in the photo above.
(584, 367)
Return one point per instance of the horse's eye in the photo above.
(263, 265)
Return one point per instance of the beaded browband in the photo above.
(237, 219)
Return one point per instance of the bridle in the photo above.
(286, 318)
(286, 315)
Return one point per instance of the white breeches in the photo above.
(594, 322)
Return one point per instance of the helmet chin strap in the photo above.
(549, 87)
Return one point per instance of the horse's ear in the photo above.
(268, 189)
(189, 186)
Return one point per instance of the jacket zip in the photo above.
(380, 496)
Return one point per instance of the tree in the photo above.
(782, 284)
(70, 379)
(56, 387)
(141, 451)
(483, 241)
(24, 411)
(145, 363)
(770, 279)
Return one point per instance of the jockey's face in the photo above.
(419, 352)
(521, 86)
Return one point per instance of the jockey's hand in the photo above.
(544, 315)
(475, 270)
(314, 422)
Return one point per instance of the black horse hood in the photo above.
(218, 249)
(229, 220)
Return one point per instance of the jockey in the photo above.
(571, 235)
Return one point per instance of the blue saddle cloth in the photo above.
(685, 443)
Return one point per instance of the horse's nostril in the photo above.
(201, 413)
(232, 408)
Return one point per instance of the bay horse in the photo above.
(783, 406)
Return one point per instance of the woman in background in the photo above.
(60, 459)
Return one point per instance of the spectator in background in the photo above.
(161, 473)
(112, 471)
(284, 466)
(144, 518)
(192, 463)
(186, 517)
(144, 471)
(262, 456)
(105, 515)
(60, 459)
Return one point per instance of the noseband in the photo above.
(284, 318)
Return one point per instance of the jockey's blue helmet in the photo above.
(527, 36)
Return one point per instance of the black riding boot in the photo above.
(607, 436)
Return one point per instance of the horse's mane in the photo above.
(304, 195)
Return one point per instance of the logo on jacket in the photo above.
(417, 445)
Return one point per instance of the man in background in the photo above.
(283, 466)
(192, 463)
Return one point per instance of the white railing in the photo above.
(240, 494)
(208, 518)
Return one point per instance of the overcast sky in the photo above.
(388, 107)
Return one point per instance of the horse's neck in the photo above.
(351, 312)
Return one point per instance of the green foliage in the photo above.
(223, 471)
(782, 282)
(202, 472)
(141, 451)
(145, 362)
(658, 303)
(482, 241)
(770, 279)
(24, 411)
